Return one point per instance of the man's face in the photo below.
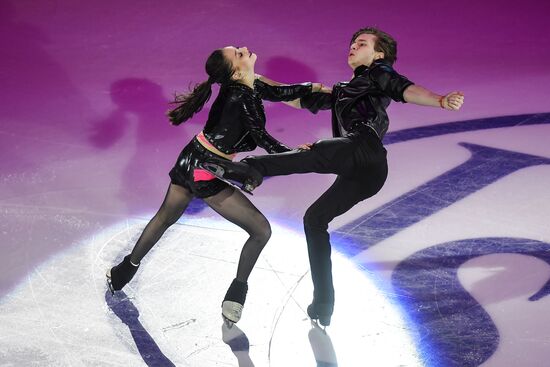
(361, 51)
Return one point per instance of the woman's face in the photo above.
(242, 60)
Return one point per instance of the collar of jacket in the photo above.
(359, 70)
(239, 86)
(362, 68)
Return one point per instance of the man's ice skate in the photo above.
(120, 275)
(321, 312)
(233, 302)
(237, 174)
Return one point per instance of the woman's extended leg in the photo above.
(175, 202)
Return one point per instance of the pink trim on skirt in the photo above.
(202, 175)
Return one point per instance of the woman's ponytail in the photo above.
(219, 70)
(190, 103)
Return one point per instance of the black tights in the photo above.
(229, 203)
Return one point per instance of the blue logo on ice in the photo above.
(457, 331)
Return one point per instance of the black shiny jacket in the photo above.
(361, 103)
(236, 122)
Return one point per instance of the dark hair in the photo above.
(384, 42)
(219, 70)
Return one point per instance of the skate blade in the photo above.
(108, 275)
(316, 325)
(227, 322)
(246, 188)
(320, 321)
(110, 287)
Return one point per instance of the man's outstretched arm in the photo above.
(424, 97)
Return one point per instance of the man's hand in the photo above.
(424, 97)
(452, 101)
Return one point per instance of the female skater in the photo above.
(236, 123)
(356, 153)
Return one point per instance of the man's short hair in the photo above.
(384, 42)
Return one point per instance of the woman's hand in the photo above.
(306, 146)
(320, 88)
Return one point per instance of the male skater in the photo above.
(356, 153)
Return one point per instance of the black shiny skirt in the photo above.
(182, 172)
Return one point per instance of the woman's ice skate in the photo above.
(233, 302)
(120, 275)
(237, 174)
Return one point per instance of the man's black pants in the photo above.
(361, 165)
